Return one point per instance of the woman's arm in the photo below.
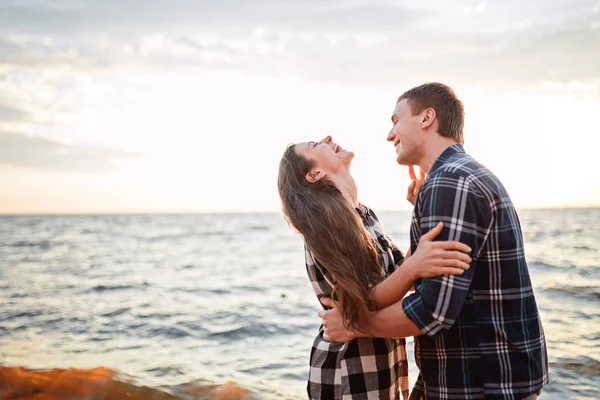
(407, 255)
(395, 287)
(430, 259)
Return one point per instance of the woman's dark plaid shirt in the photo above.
(364, 368)
(483, 335)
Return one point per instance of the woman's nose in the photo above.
(327, 139)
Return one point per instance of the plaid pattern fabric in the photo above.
(483, 335)
(365, 368)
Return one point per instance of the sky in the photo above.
(113, 106)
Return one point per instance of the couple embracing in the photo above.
(471, 310)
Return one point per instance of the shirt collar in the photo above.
(361, 209)
(446, 154)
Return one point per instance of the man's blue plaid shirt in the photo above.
(483, 335)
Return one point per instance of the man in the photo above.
(477, 335)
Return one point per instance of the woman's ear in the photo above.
(315, 175)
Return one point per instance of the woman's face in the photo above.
(326, 155)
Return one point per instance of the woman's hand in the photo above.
(335, 329)
(438, 258)
(415, 183)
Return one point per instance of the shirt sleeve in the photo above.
(385, 241)
(396, 252)
(467, 214)
(321, 283)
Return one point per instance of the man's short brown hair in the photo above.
(448, 108)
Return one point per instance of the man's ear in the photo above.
(315, 175)
(428, 118)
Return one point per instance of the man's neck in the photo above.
(433, 150)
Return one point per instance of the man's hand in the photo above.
(333, 323)
(415, 183)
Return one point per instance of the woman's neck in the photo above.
(346, 184)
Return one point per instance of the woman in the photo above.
(347, 257)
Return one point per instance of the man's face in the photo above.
(406, 134)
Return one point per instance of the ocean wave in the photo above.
(19, 295)
(101, 338)
(543, 265)
(583, 364)
(44, 244)
(201, 291)
(129, 347)
(578, 291)
(158, 238)
(8, 316)
(9, 330)
(192, 326)
(168, 332)
(561, 232)
(592, 337)
(37, 322)
(266, 367)
(182, 236)
(167, 370)
(243, 331)
(584, 270)
(109, 288)
(116, 312)
(585, 248)
(158, 315)
(259, 228)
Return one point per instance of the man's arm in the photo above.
(391, 322)
(430, 259)
(467, 212)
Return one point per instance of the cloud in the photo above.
(139, 16)
(105, 54)
(41, 97)
(12, 114)
(21, 150)
(46, 46)
(557, 53)
(522, 59)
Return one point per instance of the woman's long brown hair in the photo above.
(334, 233)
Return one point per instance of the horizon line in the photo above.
(197, 212)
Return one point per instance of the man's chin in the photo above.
(401, 160)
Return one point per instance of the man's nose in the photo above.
(391, 135)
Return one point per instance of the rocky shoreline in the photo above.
(103, 384)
